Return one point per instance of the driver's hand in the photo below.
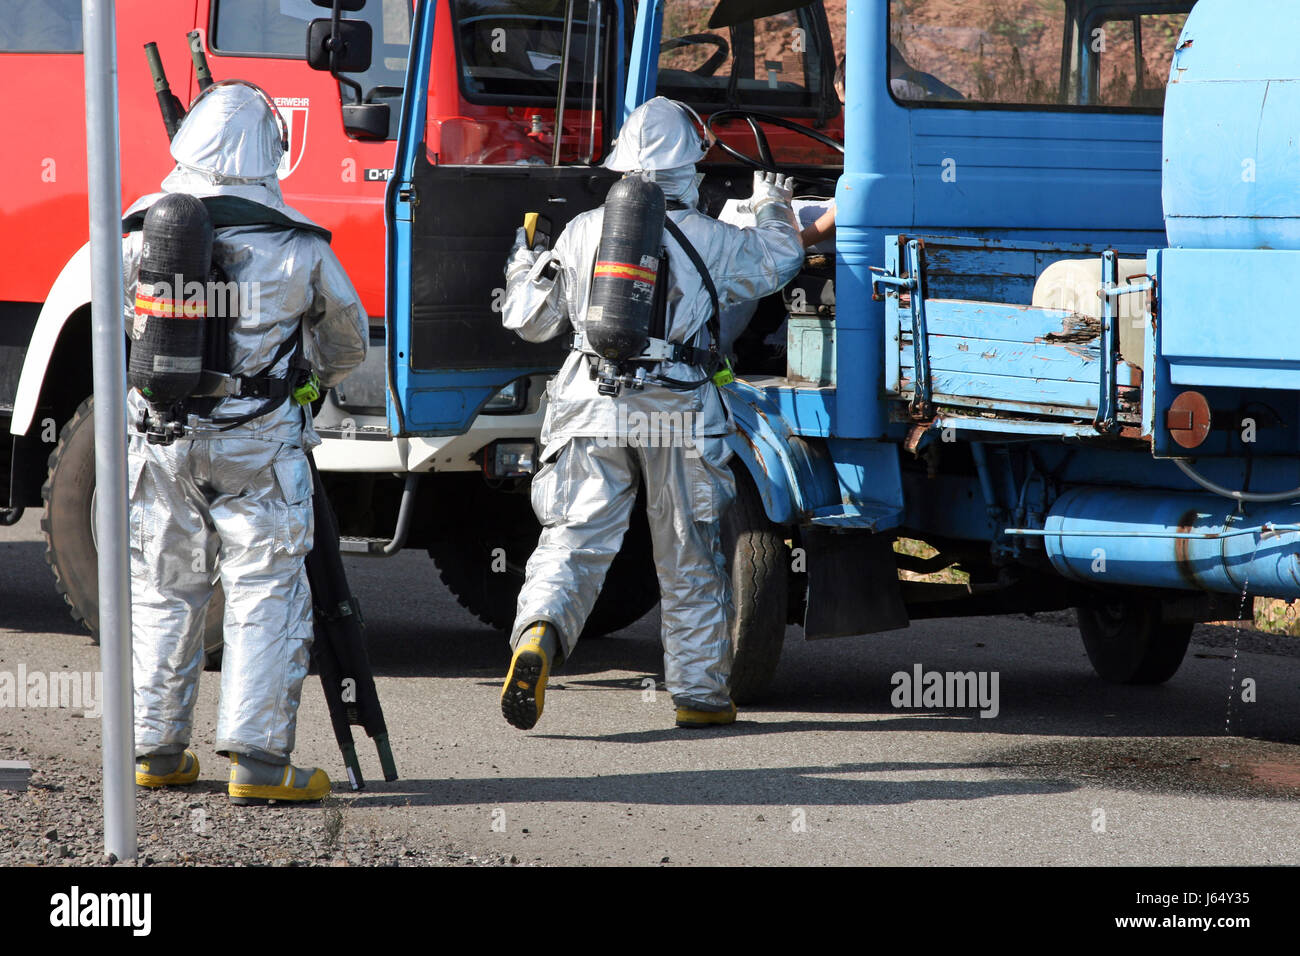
(771, 187)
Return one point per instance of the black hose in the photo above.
(1208, 485)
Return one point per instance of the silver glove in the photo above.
(772, 198)
(771, 187)
(521, 258)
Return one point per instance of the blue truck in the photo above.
(1052, 341)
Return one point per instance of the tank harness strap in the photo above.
(714, 323)
(711, 360)
(274, 391)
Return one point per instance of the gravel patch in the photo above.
(58, 821)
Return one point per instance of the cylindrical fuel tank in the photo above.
(1266, 563)
(1232, 128)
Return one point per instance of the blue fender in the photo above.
(793, 477)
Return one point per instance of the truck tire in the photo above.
(1129, 642)
(465, 558)
(759, 563)
(70, 552)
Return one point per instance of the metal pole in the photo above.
(564, 82)
(108, 345)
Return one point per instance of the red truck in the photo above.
(336, 178)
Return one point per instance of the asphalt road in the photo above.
(1069, 771)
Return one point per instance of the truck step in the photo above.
(867, 515)
(367, 547)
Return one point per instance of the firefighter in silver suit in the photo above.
(594, 454)
(232, 504)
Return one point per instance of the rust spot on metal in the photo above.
(1183, 548)
(758, 455)
(1078, 330)
(914, 436)
(1085, 353)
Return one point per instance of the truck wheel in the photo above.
(487, 583)
(759, 563)
(1129, 642)
(69, 491)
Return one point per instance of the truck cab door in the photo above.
(451, 225)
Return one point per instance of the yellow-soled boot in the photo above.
(689, 717)
(167, 770)
(525, 687)
(256, 782)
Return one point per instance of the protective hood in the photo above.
(231, 134)
(230, 144)
(660, 134)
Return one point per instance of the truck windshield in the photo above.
(510, 49)
(1066, 54)
(772, 63)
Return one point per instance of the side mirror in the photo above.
(339, 46)
(344, 46)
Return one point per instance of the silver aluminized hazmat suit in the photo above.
(596, 447)
(235, 506)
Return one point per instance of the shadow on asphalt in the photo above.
(28, 599)
(756, 786)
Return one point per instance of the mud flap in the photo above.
(852, 585)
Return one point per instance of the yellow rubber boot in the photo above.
(523, 693)
(689, 717)
(169, 770)
(256, 782)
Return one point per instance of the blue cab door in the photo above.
(451, 227)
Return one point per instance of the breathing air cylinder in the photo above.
(627, 264)
(171, 300)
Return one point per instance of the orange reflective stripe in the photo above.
(170, 308)
(624, 270)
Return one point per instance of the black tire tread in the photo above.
(84, 411)
(1163, 644)
(637, 592)
(760, 591)
(80, 418)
